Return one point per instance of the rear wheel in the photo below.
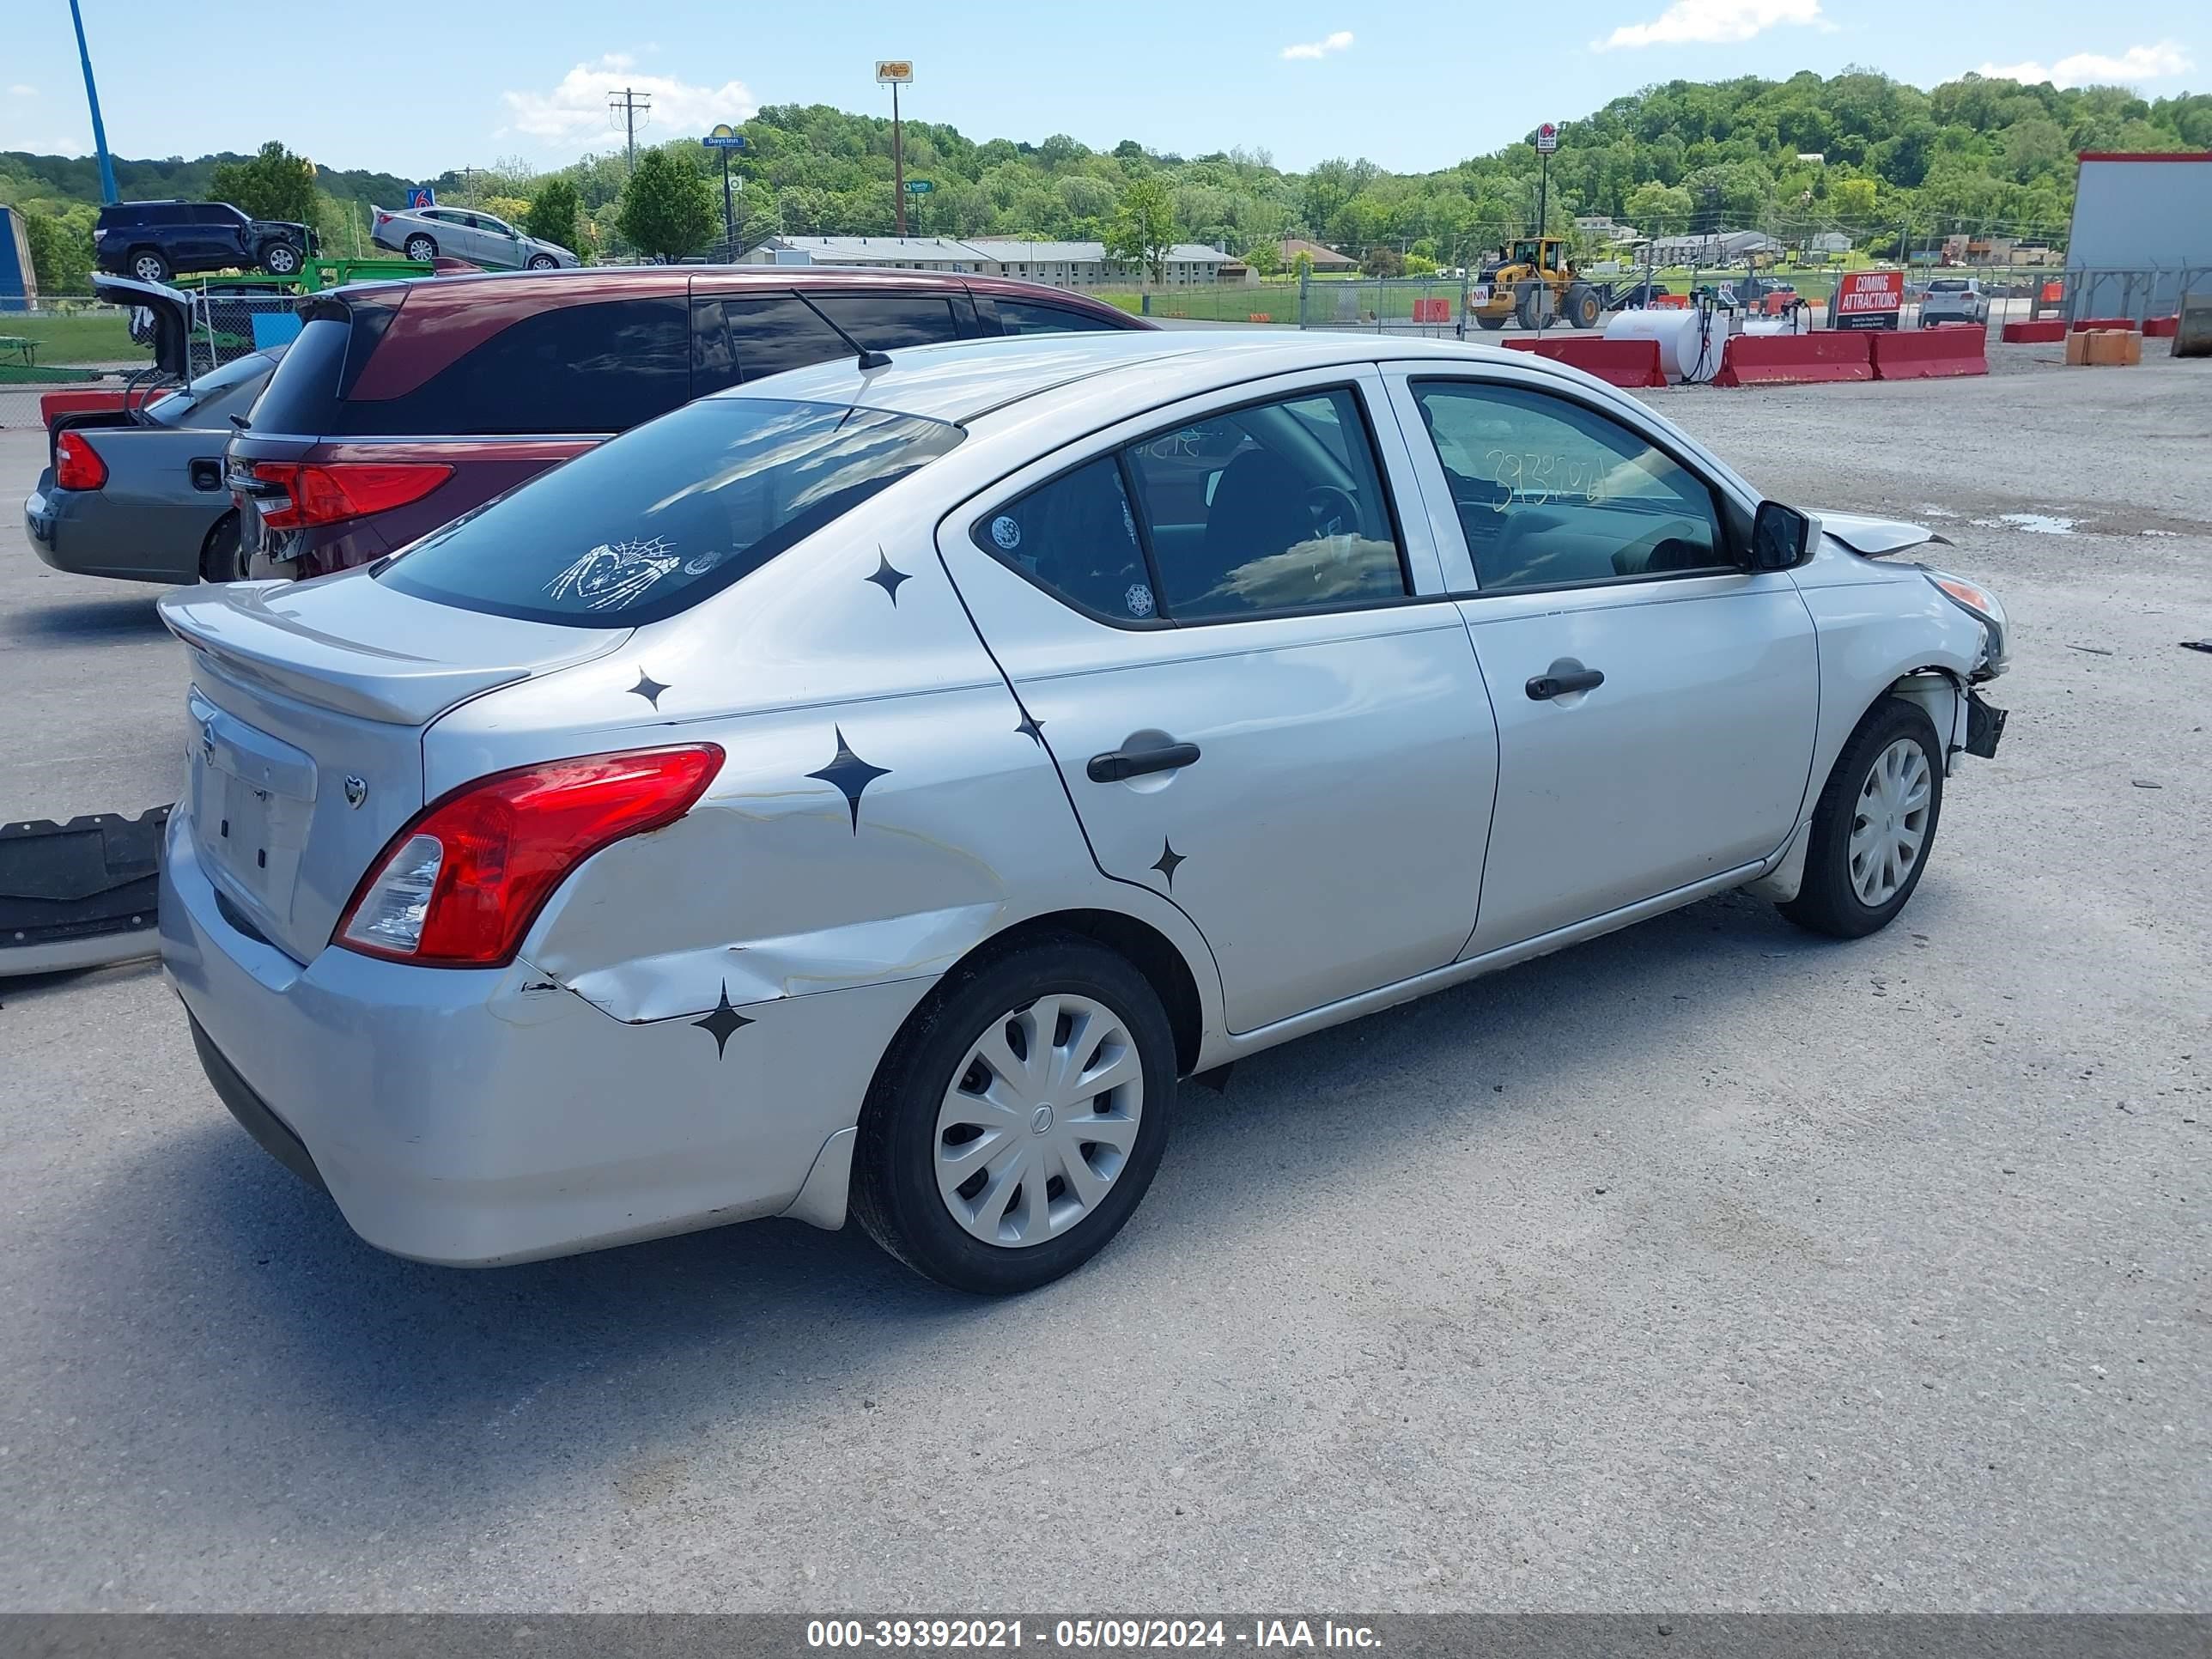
(281, 259)
(148, 265)
(422, 248)
(1492, 324)
(1873, 825)
(219, 559)
(1018, 1118)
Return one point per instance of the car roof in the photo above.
(968, 378)
(610, 281)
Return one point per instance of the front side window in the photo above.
(651, 523)
(885, 322)
(1028, 316)
(1273, 507)
(1550, 492)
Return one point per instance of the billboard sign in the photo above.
(1867, 299)
(1547, 139)
(723, 136)
(421, 195)
(894, 70)
(919, 187)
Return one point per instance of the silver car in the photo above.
(482, 239)
(868, 791)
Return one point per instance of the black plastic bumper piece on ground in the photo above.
(79, 880)
(264, 1126)
(1985, 724)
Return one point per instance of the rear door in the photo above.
(1238, 653)
(1656, 701)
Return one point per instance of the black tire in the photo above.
(894, 1197)
(1527, 310)
(1490, 323)
(281, 259)
(421, 248)
(1583, 308)
(542, 262)
(148, 264)
(1827, 901)
(219, 553)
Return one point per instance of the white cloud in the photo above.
(2086, 69)
(1711, 21)
(19, 90)
(1336, 42)
(575, 111)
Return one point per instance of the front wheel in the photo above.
(1017, 1118)
(421, 249)
(1490, 325)
(542, 262)
(281, 259)
(1873, 825)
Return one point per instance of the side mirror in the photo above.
(1781, 537)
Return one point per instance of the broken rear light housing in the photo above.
(460, 885)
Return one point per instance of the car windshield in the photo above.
(650, 523)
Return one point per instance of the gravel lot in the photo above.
(1706, 1266)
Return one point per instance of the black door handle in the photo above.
(1563, 680)
(1119, 763)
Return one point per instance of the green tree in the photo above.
(1265, 257)
(61, 252)
(1143, 227)
(1658, 210)
(1853, 200)
(667, 207)
(553, 210)
(1384, 260)
(275, 184)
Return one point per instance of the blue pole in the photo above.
(108, 191)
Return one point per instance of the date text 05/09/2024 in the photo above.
(1111, 1635)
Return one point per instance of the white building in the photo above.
(1058, 264)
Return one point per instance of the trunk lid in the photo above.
(308, 703)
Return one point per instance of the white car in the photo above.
(1955, 299)
(427, 234)
(868, 791)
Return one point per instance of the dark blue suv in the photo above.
(156, 240)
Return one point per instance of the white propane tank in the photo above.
(1677, 333)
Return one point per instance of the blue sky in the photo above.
(416, 87)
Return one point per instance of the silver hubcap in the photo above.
(150, 271)
(418, 250)
(1892, 821)
(1039, 1120)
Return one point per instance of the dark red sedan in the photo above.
(402, 405)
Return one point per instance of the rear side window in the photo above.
(1030, 317)
(885, 322)
(600, 367)
(650, 524)
(736, 339)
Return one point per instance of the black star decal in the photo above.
(886, 578)
(851, 774)
(1167, 861)
(1031, 728)
(648, 688)
(724, 1022)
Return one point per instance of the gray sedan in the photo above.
(465, 233)
(143, 499)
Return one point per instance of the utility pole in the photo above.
(108, 191)
(629, 104)
(468, 184)
(896, 72)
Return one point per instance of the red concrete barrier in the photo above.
(2044, 331)
(1617, 362)
(1825, 354)
(2161, 328)
(1928, 354)
(95, 400)
(2087, 324)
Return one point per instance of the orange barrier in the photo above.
(99, 400)
(2043, 331)
(1824, 354)
(1670, 302)
(2087, 325)
(1928, 354)
(1617, 362)
(1432, 311)
(2161, 328)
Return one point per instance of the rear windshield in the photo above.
(1946, 285)
(650, 523)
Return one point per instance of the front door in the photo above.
(1656, 702)
(1260, 703)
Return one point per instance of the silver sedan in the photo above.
(482, 239)
(870, 791)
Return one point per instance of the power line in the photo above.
(624, 109)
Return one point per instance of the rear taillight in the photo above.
(460, 885)
(78, 464)
(327, 492)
